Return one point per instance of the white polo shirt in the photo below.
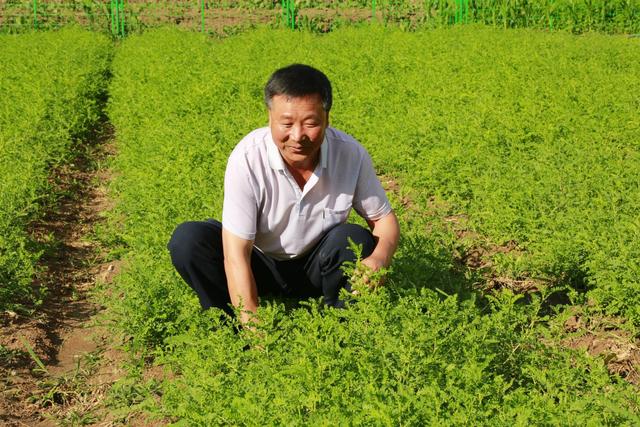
(263, 202)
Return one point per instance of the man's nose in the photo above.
(296, 133)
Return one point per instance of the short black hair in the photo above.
(298, 80)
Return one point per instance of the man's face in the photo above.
(297, 127)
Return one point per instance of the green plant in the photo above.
(530, 135)
(54, 99)
(34, 356)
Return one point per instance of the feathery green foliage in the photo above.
(50, 84)
(533, 136)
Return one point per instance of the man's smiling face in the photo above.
(297, 126)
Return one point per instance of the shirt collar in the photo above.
(275, 159)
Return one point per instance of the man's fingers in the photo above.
(361, 273)
(365, 278)
(366, 275)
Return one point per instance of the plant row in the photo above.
(618, 16)
(51, 85)
(521, 132)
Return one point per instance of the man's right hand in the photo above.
(240, 281)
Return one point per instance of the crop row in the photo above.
(529, 136)
(51, 84)
(617, 16)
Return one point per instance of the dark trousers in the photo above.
(197, 254)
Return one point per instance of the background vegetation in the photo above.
(577, 16)
(488, 138)
(51, 86)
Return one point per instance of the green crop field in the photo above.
(51, 85)
(524, 138)
(511, 157)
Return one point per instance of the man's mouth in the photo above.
(297, 147)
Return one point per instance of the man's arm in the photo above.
(240, 281)
(386, 232)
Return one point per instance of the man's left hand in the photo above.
(386, 232)
(366, 273)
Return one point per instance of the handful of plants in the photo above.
(362, 278)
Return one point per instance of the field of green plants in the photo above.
(511, 157)
(521, 137)
(51, 86)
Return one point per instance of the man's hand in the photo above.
(240, 281)
(374, 263)
(371, 266)
(386, 232)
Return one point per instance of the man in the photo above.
(288, 191)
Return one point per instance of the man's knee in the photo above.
(340, 236)
(188, 239)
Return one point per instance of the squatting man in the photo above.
(288, 190)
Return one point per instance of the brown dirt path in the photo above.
(62, 332)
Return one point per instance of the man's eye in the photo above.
(287, 125)
(311, 125)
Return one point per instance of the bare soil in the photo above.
(477, 253)
(606, 338)
(62, 332)
(218, 20)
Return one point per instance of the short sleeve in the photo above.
(370, 199)
(239, 208)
